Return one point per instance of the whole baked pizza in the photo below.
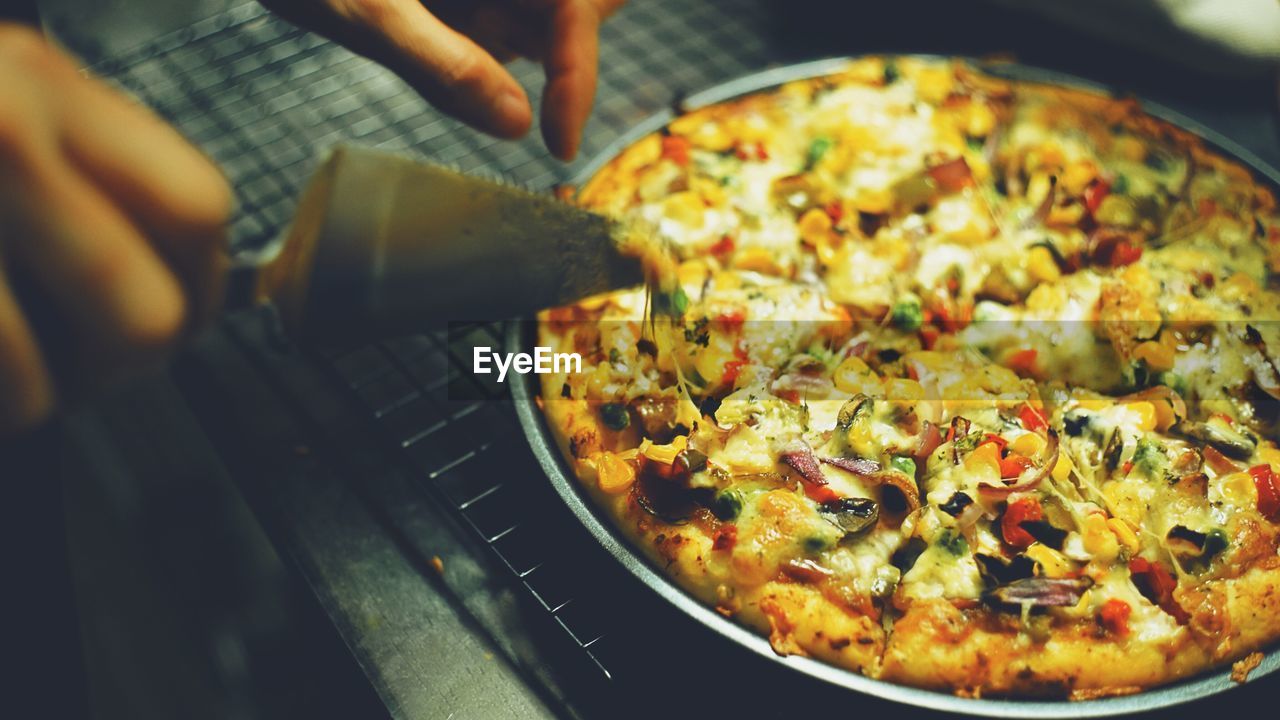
(958, 382)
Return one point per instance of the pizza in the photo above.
(954, 381)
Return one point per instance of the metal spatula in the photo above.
(383, 244)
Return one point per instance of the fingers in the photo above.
(122, 306)
(571, 75)
(174, 195)
(449, 70)
(25, 384)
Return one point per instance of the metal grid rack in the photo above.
(266, 99)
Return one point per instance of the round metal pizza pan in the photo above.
(519, 337)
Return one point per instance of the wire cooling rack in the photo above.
(266, 100)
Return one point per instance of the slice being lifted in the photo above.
(961, 383)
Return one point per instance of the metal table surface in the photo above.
(366, 464)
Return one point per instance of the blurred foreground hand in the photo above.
(451, 51)
(110, 230)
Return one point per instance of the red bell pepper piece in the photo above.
(1032, 419)
(1018, 512)
(1094, 193)
(1013, 465)
(1023, 362)
(1114, 616)
(676, 149)
(1264, 479)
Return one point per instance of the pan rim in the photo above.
(524, 390)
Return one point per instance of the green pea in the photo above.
(817, 149)
(907, 314)
(615, 416)
(727, 504)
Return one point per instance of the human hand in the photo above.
(451, 51)
(110, 230)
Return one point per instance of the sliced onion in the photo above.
(1042, 591)
(1046, 206)
(930, 439)
(803, 384)
(799, 457)
(1028, 480)
(861, 467)
(959, 428)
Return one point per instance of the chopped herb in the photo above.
(672, 304)
(815, 544)
(891, 73)
(1121, 185)
(975, 143)
(697, 334)
(817, 149)
(904, 465)
(615, 357)
(1173, 381)
(953, 542)
(969, 442)
(1149, 457)
(615, 416)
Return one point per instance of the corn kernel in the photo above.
(1098, 539)
(757, 260)
(985, 459)
(1077, 176)
(853, 376)
(1041, 265)
(665, 454)
(1125, 534)
(1047, 298)
(1065, 215)
(1238, 489)
(1146, 413)
(903, 390)
(685, 207)
(1038, 188)
(934, 84)
(1055, 564)
(1062, 469)
(980, 121)
(1028, 445)
(1158, 356)
(710, 362)
(815, 226)
(615, 475)
(874, 201)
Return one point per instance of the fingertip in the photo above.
(513, 115)
(562, 144)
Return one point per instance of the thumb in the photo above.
(450, 71)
